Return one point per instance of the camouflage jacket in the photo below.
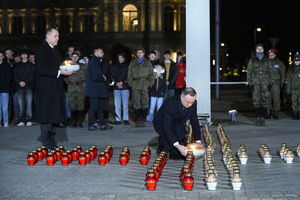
(258, 71)
(140, 75)
(277, 71)
(293, 79)
(76, 81)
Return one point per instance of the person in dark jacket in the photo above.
(121, 90)
(24, 77)
(152, 57)
(170, 74)
(50, 107)
(5, 84)
(14, 105)
(96, 90)
(157, 92)
(169, 123)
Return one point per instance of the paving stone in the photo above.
(291, 195)
(117, 182)
(277, 194)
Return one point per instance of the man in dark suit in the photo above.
(96, 89)
(50, 106)
(169, 123)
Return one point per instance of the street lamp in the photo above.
(258, 29)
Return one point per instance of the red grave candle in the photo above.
(102, 159)
(82, 159)
(188, 181)
(65, 159)
(31, 159)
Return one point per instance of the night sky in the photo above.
(239, 18)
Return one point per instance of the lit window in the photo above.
(130, 18)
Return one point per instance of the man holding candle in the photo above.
(50, 106)
(169, 123)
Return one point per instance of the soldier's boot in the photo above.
(298, 115)
(136, 111)
(80, 115)
(271, 114)
(294, 115)
(264, 113)
(262, 121)
(144, 113)
(138, 121)
(275, 115)
(74, 118)
(257, 115)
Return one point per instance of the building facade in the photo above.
(86, 24)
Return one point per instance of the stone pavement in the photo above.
(113, 181)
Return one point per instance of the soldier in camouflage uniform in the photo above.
(258, 76)
(76, 84)
(293, 85)
(277, 73)
(140, 78)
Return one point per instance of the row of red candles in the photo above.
(186, 172)
(154, 173)
(83, 156)
(65, 156)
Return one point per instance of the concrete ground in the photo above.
(113, 181)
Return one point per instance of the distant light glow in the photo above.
(227, 54)
(135, 22)
(222, 44)
(258, 29)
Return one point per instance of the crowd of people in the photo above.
(145, 80)
(271, 82)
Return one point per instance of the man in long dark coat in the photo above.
(169, 123)
(50, 107)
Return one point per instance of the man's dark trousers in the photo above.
(48, 135)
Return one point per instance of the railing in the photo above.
(229, 83)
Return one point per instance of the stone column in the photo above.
(198, 51)
(175, 23)
(159, 14)
(71, 20)
(105, 17)
(142, 16)
(153, 15)
(24, 23)
(9, 24)
(179, 26)
(116, 16)
(33, 22)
